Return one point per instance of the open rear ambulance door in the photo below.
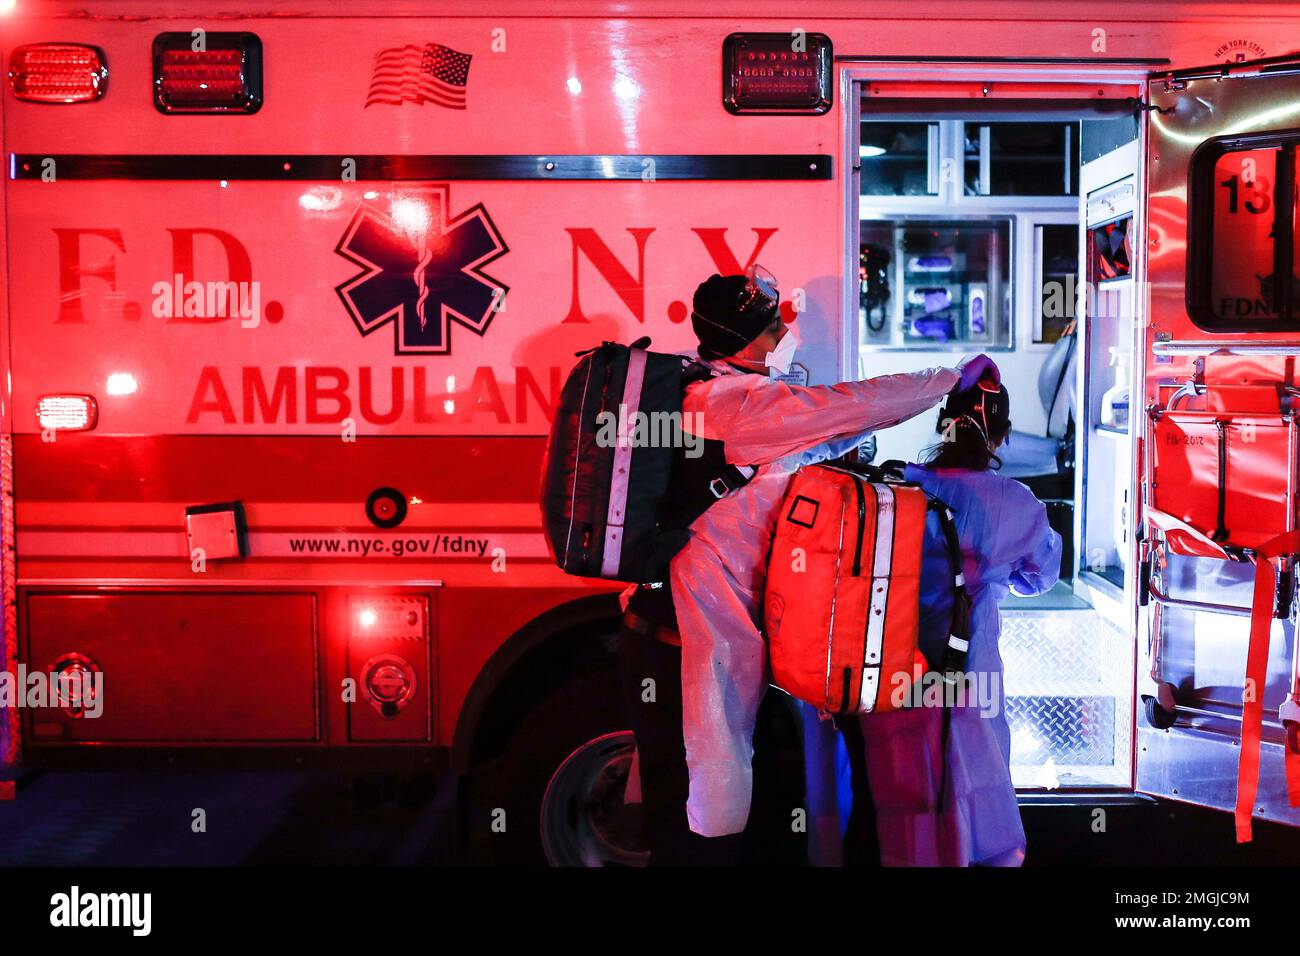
(1215, 434)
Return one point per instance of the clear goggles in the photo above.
(760, 290)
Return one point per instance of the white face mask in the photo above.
(780, 359)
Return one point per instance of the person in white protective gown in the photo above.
(932, 786)
(717, 579)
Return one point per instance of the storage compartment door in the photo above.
(179, 667)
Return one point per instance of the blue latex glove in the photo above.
(975, 367)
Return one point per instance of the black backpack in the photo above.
(613, 501)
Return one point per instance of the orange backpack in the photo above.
(843, 589)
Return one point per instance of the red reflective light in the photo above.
(202, 79)
(57, 73)
(224, 77)
(776, 73)
(67, 413)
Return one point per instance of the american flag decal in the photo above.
(432, 73)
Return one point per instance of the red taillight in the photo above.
(223, 77)
(67, 413)
(57, 73)
(777, 73)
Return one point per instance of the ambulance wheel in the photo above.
(555, 796)
(1157, 716)
(584, 818)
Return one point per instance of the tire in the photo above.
(555, 795)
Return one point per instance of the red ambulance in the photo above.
(288, 297)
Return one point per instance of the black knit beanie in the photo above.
(720, 324)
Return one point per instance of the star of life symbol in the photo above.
(422, 269)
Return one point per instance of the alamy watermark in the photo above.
(79, 692)
(78, 909)
(981, 690)
(651, 430)
(208, 300)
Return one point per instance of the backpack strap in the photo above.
(954, 655)
(710, 478)
(697, 483)
(728, 478)
(701, 481)
(958, 646)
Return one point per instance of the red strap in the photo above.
(1252, 711)
(1291, 743)
(1167, 522)
(1292, 769)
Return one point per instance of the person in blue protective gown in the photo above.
(936, 778)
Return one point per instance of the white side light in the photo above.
(122, 383)
(66, 412)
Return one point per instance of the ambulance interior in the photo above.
(977, 229)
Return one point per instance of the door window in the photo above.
(1021, 159)
(935, 283)
(899, 159)
(1241, 263)
(1110, 250)
(1056, 266)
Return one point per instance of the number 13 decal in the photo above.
(1259, 185)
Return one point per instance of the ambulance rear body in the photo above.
(309, 352)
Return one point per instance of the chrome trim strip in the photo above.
(1225, 347)
(1166, 601)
